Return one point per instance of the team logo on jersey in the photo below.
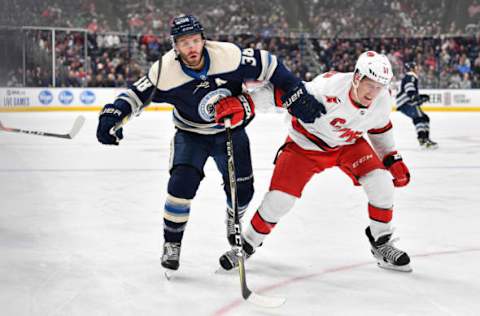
(206, 107)
(203, 84)
(345, 132)
(332, 99)
(220, 81)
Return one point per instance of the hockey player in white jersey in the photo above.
(356, 104)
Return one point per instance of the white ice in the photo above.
(81, 227)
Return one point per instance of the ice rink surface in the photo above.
(81, 227)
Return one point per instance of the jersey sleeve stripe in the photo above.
(297, 126)
(265, 62)
(382, 130)
(269, 63)
(272, 67)
(135, 102)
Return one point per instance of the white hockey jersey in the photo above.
(344, 121)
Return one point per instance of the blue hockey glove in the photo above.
(110, 116)
(302, 104)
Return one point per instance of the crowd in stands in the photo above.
(126, 36)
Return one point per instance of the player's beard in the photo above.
(194, 60)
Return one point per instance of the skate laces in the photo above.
(172, 250)
(389, 251)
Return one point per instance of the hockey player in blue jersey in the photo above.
(202, 80)
(409, 102)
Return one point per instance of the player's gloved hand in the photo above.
(421, 98)
(398, 169)
(424, 98)
(239, 108)
(302, 104)
(111, 115)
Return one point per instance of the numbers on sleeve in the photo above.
(248, 57)
(142, 84)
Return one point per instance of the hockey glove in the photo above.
(398, 169)
(110, 116)
(302, 104)
(419, 99)
(239, 109)
(424, 98)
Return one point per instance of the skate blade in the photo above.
(169, 274)
(385, 265)
(428, 148)
(222, 271)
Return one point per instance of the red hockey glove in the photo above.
(398, 169)
(240, 109)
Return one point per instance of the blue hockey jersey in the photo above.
(408, 90)
(193, 94)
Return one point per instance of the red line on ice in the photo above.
(234, 304)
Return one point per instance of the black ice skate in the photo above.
(427, 143)
(229, 259)
(171, 255)
(388, 257)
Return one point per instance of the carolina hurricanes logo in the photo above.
(347, 133)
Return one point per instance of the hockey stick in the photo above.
(77, 125)
(247, 294)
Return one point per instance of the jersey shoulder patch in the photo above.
(224, 57)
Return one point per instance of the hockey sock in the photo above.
(175, 218)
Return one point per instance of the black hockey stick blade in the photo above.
(77, 125)
(255, 298)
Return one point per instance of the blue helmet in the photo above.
(410, 65)
(185, 24)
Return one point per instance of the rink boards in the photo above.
(92, 99)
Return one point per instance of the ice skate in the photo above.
(428, 144)
(387, 255)
(171, 258)
(229, 259)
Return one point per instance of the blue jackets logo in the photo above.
(65, 97)
(87, 97)
(206, 107)
(45, 97)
